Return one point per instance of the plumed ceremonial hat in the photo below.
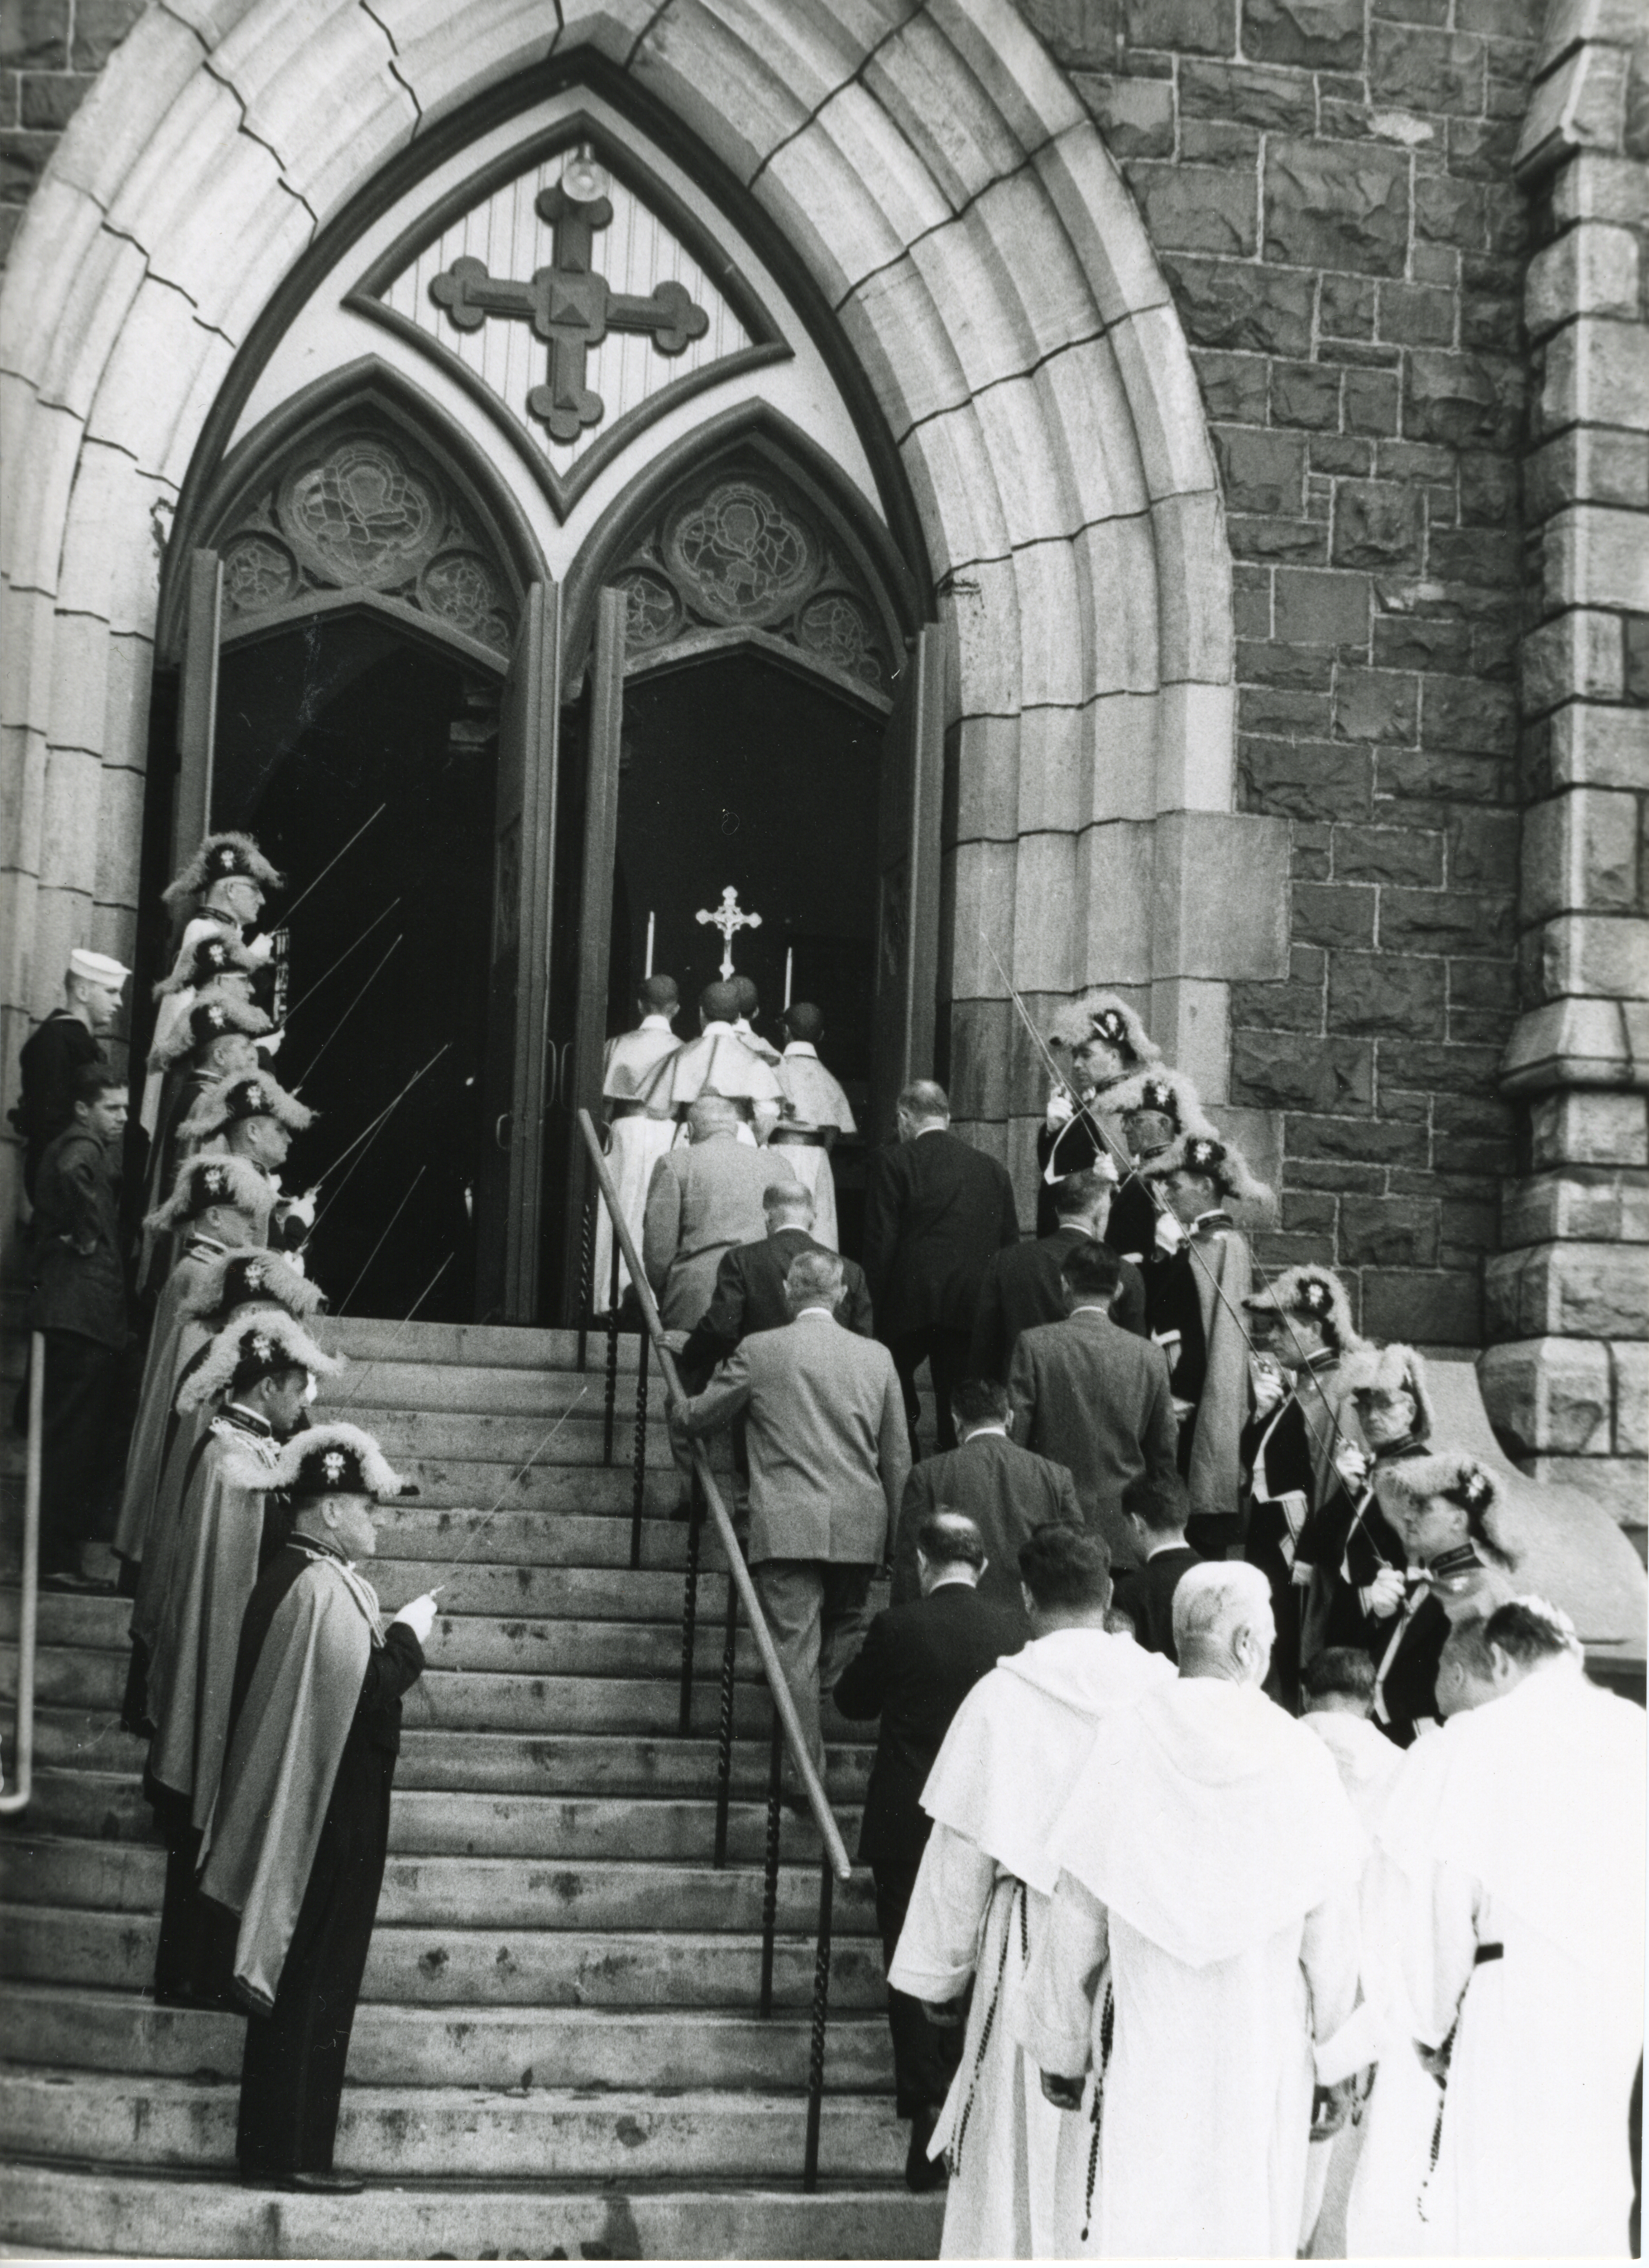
(1316, 1295)
(215, 1012)
(1219, 1161)
(253, 1279)
(219, 859)
(203, 1182)
(250, 1348)
(337, 1461)
(1097, 1014)
(1392, 1369)
(245, 1094)
(204, 962)
(1157, 1107)
(97, 968)
(1454, 1474)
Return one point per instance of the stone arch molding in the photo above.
(954, 204)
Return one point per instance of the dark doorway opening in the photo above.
(735, 770)
(316, 728)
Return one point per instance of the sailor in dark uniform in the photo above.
(63, 1043)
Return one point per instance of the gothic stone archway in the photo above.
(956, 209)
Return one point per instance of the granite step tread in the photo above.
(51, 2112)
(121, 2212)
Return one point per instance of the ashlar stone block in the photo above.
(1596, 373)
(896, 182)
(1551, 1396)
(36, 471)
(1593, 557)
(1590, 270)
(1220, 896)
(953, 468)
(1588, 1128)
(22, 802)
(1587, 464)
(1119, 574)
(735, 99)
(1193, 590)
(905, 345)
(1595, 953)
(1103, 224)
(984, 608)
(985, 884)
(162, 363)
(1048, 913)
(447, 55)
(1033, 97)
(1055, 787)
(228, 269)
(28, 629)
(988, 779)
(825, 206)
(68, 820)
(1581, 105)
(1599, 1205)
(1196, 747)
(1579, 855)
(1619, 1485)
(1568, 1290)
(943, 110)
(111, 555)
(975, 297)
(61, 233)
(1091, 423)
(1581, 656)
(327, 104)
(1595, 187)
(121, 118)
(1055, 665)
(1114, 864)
(1167, 403)
(1338, 206)
(80, 667)
(1630, 1361)
(1123, 727)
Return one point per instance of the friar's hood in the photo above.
(1209, 1820)
(1016, 1743)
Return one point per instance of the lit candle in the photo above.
(647, 971)
(789, 967)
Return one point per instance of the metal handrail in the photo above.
(15, 1799)
(836, 1851)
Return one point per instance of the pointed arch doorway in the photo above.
(760, 711)
(745, 699)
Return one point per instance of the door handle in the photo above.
(499, 1136)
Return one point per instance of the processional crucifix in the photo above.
(729, 918)
(570, 307)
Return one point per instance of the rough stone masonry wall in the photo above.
(1329, 187)
(51, 52)
(1569, 1293)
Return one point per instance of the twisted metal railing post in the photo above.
(769, 1875)
(816, 2042)
(723, 1760)
(28, 1599)
(689, 1602)
(587, 1276)
(611, 1409)
(638, 1499)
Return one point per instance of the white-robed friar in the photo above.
(1511, 1857)
(636, 1140)
(1203, 1934)
(980, 1899)
(816, 1113)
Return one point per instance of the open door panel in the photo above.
(908, 857)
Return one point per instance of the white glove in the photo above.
(419, 1616)
(1061, 1110)
(1170, 1233)
(1385, 1595)
(271, 1041)
(1268, 1389)
(260, 949)
(1351, 1464)
(302, 1208)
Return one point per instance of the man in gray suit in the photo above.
(1095, 1398)
(701, 1202)
(828, 1459)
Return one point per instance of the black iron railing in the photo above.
(16, 1797)
(708, 1509)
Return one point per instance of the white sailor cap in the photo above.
(97, 968)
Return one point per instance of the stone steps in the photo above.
(89, 2027)
(481, 1346)
(118, 2212)
(478, 1966)
(433, 2134)
(592, 1894)
(389, 1385)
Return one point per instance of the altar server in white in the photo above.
(1513, 1851)
(981, 1899)
(816, 1112)
(636, 1140)
(1203, 1933)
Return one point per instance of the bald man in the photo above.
(703, 1199)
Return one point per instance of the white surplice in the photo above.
(978, 1911)
(1520, 1826)
(637, 1143)
(1208, 1855)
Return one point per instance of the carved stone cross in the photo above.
(570, 308)
(729, 920)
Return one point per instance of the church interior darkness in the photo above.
(316, 728)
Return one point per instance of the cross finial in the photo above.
(729, 919)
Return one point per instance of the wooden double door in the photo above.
(533, 1025)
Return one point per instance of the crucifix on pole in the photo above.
(571, 307)
(729, 918)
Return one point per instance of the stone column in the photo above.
(1567, 1379)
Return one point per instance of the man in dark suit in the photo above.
(1156, 1513)
(828, 1462)
(1004, 1490)
(749, 1294)
(1095, 1398)
(918, 1662)
(935, 1211)
(1021, 1286)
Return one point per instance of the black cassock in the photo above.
(291, 2075)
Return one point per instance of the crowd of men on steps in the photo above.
(1256, 1868)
